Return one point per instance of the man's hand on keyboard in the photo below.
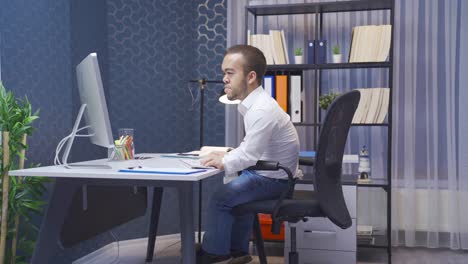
(215, 159)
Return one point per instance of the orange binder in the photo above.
(282, 91)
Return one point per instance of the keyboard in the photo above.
(194, 164)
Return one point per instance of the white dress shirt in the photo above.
(269, 135)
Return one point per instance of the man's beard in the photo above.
(235, 96)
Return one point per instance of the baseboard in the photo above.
(107, 253)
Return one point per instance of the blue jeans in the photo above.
(225, 232)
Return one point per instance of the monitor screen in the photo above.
(92, 94)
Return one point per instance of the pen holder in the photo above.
(118, 153)
(124, 148)
(126, 139)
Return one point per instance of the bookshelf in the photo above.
(382, 239)
(330, 66)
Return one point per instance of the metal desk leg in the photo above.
(154, 220)
(200, 187)
(187, 230)
(48, 242)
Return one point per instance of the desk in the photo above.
(68, 180)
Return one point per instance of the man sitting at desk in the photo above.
(269, 135)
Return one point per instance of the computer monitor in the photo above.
(92, 94)
(93, 107)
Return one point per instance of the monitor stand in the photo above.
(73, 134)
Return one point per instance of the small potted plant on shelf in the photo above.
(298, 56)
(326, 99)
(336, 54)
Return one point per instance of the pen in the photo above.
(187, 154)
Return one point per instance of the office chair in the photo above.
(327, 199)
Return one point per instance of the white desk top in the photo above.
(156, 162)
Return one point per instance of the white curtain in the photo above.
(430, 178)
(235, 35)
(462, 126)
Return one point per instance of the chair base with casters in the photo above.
(273, 207)
(268, 208)
(327, 200)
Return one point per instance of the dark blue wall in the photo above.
(147, 50)
(35, 57)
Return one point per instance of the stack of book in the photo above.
(273, 46)
(370, 43)
(364, 235)
(373, 106)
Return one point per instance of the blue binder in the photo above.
(311, 52)
(269, 84)
(321, 51)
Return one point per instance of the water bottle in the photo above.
(364, 164)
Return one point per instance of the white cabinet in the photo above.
(321, 241)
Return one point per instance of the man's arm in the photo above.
(255, 142)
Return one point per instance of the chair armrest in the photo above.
(275, 228)
(271, 166)
(276, 225)
(306, 161)
(265, 165)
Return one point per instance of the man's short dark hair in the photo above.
(254, 60)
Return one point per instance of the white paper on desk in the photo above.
(151, 170)
(180, 156)
(197, 154)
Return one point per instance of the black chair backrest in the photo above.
(332, 140)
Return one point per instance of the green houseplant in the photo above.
(298, 52)
(326, 99)
(336, 50)
(336, 54)
(21, 198)
(298, 56)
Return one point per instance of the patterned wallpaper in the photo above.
(211, 45)
(149, 65)
(151, 59)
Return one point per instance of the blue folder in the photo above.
(311, 52)
(307, 154)
(321, 51)
(173, 171)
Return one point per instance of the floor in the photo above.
(168, 251)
